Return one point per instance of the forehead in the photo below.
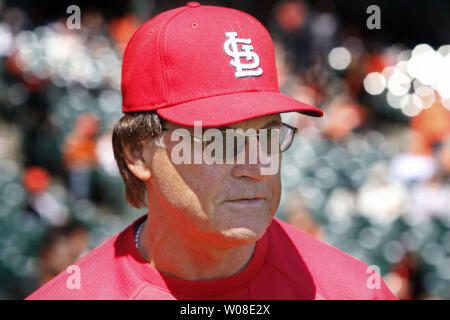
(255, 123)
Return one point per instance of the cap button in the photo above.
(193, 4)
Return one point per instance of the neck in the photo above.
(178, 255)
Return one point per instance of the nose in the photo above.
(253, 164)
(251, 171)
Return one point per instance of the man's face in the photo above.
(227, 204)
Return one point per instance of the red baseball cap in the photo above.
(204, 63)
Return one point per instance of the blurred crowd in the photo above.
(371, 177)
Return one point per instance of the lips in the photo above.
(241, 198)
(246, 202)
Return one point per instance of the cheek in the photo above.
(275, 192)
(183, 186)
(170, 186)
(205, 181)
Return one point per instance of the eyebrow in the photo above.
(269, 124)
(273, 123)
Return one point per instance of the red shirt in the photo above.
(286, 264)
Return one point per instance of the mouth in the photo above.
(246, 201)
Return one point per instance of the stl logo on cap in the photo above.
(242, 69)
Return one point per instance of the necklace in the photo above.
(138, 234)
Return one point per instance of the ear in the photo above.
(137, 161)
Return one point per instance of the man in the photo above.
(210, 231)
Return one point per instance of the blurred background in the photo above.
(371, 177)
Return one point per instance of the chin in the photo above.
(242, 225)
(242, 235)
(244, 231)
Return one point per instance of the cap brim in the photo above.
(231, 108)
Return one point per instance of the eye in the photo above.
(209, 139)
